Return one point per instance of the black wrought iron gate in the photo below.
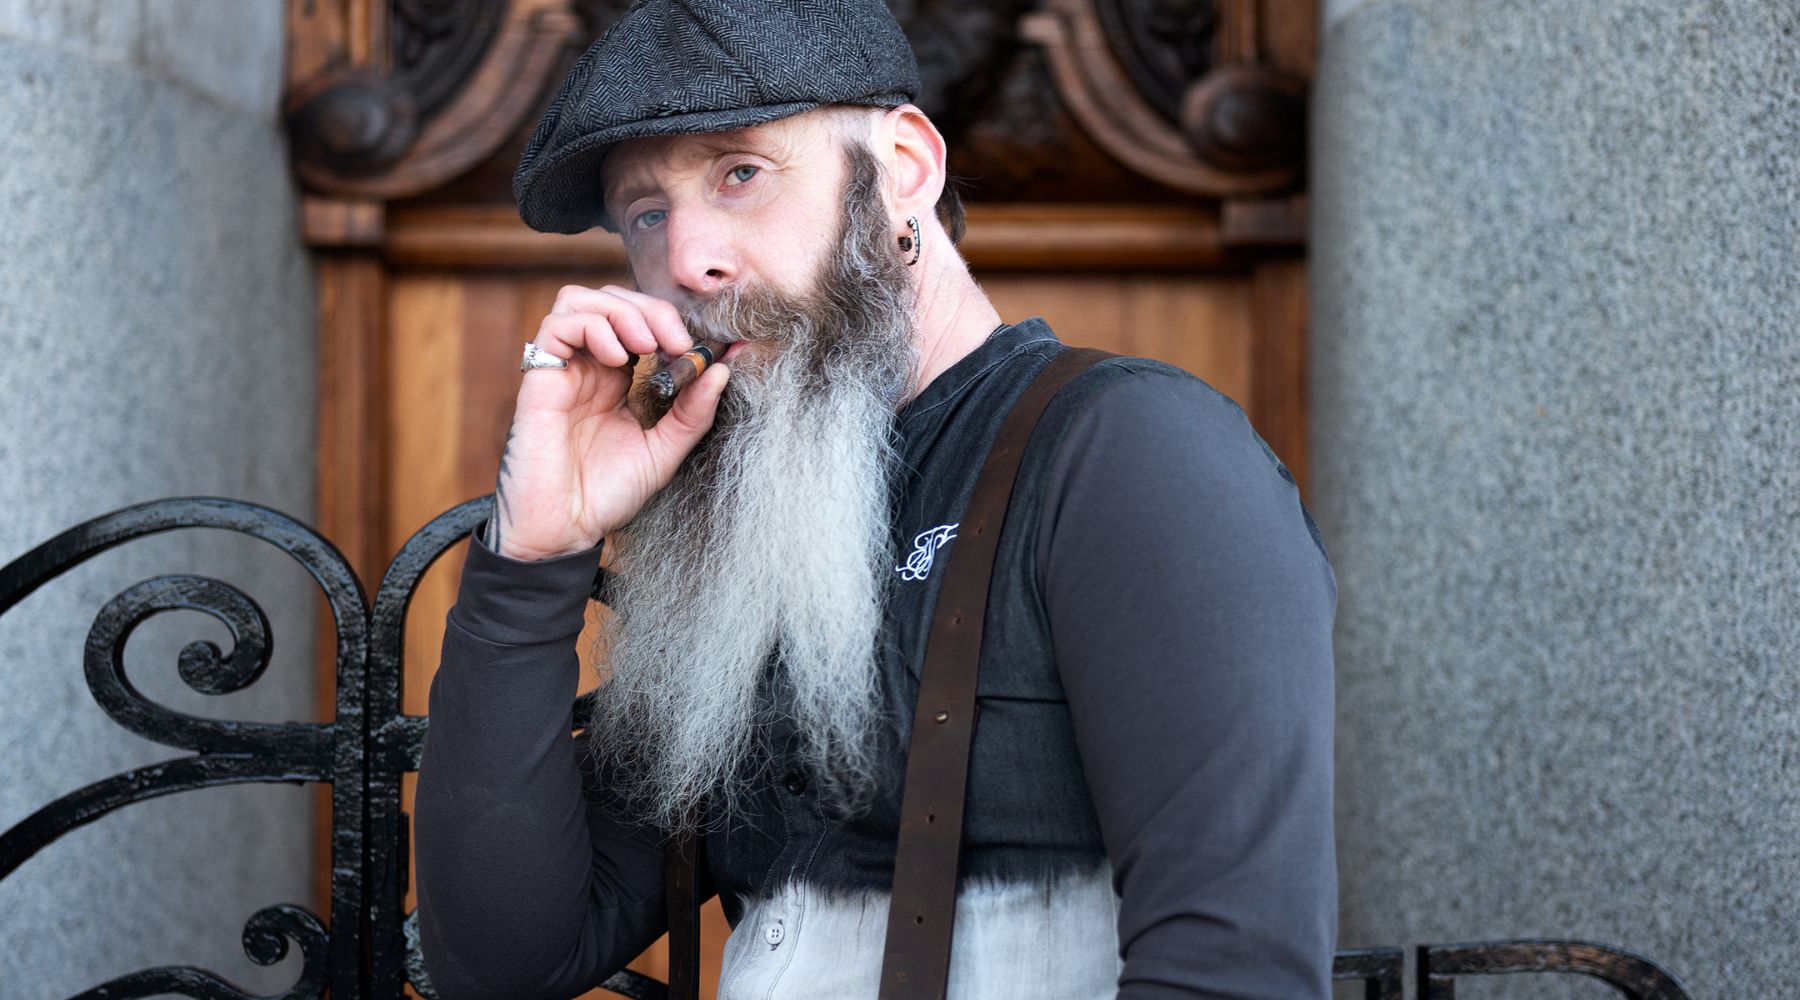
(369, 947)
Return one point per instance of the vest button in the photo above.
(795, 782)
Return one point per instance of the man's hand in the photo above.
(577, 463)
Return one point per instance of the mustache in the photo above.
(748, 311)
(719, 319)
(738, 312)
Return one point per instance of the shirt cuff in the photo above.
(518, 603)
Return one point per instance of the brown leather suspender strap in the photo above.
(681, 892)
(922, 910)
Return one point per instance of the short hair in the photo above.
(949, 209)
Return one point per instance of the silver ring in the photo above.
(535, 358)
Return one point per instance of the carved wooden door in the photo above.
(1133, 169)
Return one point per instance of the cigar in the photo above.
(681, 372)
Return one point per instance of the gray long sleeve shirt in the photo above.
(1150, 789)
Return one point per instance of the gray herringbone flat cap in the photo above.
(670, 67)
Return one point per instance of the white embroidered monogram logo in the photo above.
(925, 546)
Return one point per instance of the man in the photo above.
(1149, 803)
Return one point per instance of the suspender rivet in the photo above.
(942, 717)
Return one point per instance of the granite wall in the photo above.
(155, 340)
(1556, 419)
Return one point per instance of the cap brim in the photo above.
(563, 194)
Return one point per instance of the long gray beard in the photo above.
(773, 538)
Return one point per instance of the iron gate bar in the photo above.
(1381, 970)
(1633, 975)
(396, 743)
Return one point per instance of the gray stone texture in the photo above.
(1331, 11)
(229, 51)
(156, 313)
(1556, 418)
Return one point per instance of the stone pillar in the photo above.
(1556, 440)
(156, 314)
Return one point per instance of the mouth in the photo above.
(732, 349)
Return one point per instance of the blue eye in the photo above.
(645, 220)
(743, 174)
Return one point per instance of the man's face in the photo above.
(756, 207)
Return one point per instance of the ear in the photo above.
(914, 156)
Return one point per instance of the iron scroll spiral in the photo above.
(226, 752)
(265, 941)
(258, 752)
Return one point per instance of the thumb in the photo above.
(691, 416)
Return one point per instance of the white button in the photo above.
(772, 933)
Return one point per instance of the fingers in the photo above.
(643, 324)
(690, 417)
(567, 333)
(662, 318)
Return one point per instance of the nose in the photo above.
(701, 260)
